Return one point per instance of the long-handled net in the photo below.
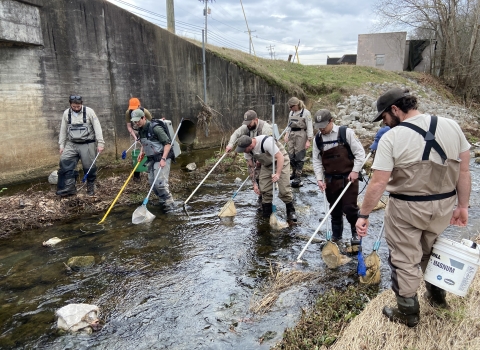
(330, 253)
(275, 222)
(229, 208)
(141, 215)
(373, 263)
(333, 259)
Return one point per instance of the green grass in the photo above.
(322, 325)
(330, 83)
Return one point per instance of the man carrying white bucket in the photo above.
(423, 161)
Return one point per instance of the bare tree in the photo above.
(455, 26)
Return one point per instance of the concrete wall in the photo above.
(20, 23)
(392, 45)
(107, 55)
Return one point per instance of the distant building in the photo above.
(348, 59)
(332, 60)
(393, 52)
(345, 59)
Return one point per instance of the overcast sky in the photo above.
(323, 27)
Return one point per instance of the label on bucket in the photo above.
(449, 271)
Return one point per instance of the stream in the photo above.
(182, 281)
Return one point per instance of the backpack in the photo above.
(342, 140)
(151, 134)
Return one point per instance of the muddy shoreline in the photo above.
(37, 208)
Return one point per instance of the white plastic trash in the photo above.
(53, 177)
(76, 317)
(452, 266)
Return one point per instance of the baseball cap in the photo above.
(243, 142)
(322, 118)
(133, 103)
(378, 136)
(388, 99)
(249, 116)
(137, 114)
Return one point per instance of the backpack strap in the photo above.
(342, 138)
(429, 137)
(263, 141)
(320, 143)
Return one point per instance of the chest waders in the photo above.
(297, 139)
(432, 182)
(266, 161)
(338, 163)
(80, 136)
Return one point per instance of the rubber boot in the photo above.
(69, 189)
(291, 216)
(293, 175)
(267, 210)
(436, 296)
(355, 241)
(337, 229)
(406, 312)
(90, 188)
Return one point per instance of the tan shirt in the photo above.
(77, 118)
(401, 146)
(353, 142)
(268, 146)
(243, 130)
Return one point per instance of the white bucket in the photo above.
(452, 266)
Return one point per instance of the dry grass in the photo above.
(455, 329)
(278, 282)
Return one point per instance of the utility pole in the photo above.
(206, 12)
(170, 16)
(250, 40)
(249, 31)
(271, 49)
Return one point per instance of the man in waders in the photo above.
(79, 131)
(133, 104)
(298, 138)
(423, 161)
(337, 159)
(156, 145)
(251, 126)
(262, 148)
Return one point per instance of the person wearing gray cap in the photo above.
(337, 159)
(423, 161)
(251, 126)
(156, 146)
(262, 148)
(298, 138)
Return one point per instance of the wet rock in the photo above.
(51, 242)
(78, 262)
(78, 318)
(477, 160)
(477, 153)
(238, 180)
(191, 166)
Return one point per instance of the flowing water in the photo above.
(181, 282)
